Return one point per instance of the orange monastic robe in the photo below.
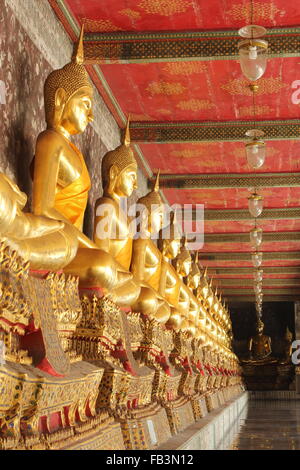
(71, 201)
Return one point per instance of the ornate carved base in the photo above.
(268, 376)
(35, 406)
(180, 414)
(147, 428)
(199, 407)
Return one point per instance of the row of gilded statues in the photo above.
(161, 281)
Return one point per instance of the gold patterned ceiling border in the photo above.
(243, 214)
(268, 298)
(181, 45)
(244, 237)
(223, 283)
(285, 291)
(247, 270)
(244, 180)
(230, 131)
(246, 256)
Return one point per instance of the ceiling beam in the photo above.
(267, 298)
(241, 180)
(244, 237)
(204, 131)
(238, 282)
(161, 46)
(249, 270)
(246, 256)
(243, 214)
(277, 291)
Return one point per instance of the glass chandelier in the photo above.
(255, 204)
(256, 259)
(255, 148)
(253, 51)
(256, 237)
(258, 274)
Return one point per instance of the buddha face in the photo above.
(77, 112)
(126, 181)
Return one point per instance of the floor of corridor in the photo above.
(270, 425)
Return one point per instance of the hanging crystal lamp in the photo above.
(255, 148)
(253, 51)
(256, 236)
(255, 203)
(258, 275)
(256, 259)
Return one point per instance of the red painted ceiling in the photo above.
(202, 91)
(220, 157)
(212, 90)
(155, 15)
(234, 198)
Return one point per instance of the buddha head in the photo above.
(183, 261)
(119, 169)
(194, 276)
(68, 95)
(169, 240)
(152, 209)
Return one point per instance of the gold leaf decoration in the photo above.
(134, 15)
(165, 88)
(187, 153)
(185, 68)
(261, 11)
(141, 117)
(195, 105)
(251, 111)
(167, 112)
(96, 26)
(267, 86)
(164, 7)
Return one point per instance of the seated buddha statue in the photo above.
(193, 281)
(146, 257)
(287, 347)
(112, 231)
(183, 264)
(169, 242)
(61, 180)
(260, 348)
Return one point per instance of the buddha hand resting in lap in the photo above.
(61, 179)
(33, 237)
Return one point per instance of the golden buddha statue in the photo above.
(287, 347)
(146, 258)
(61, 179)
(111, 229)
(169, 242)
(188, 309)
(193, 281)
(260, 347)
